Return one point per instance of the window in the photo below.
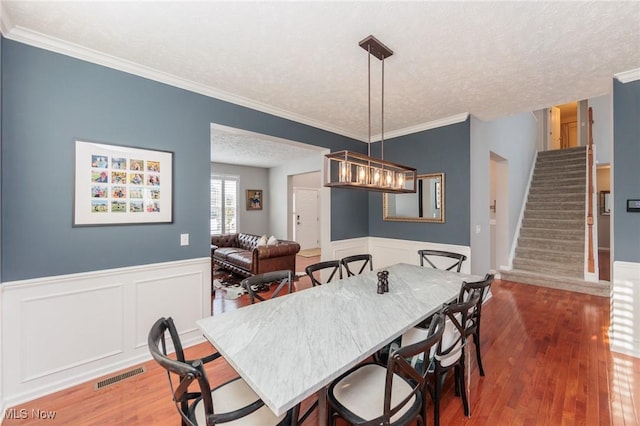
(224, 204)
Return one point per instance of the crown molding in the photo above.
(628, 76)
(42, 41)
(453, 119)
(55, 45)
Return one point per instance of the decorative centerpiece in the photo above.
(383, 282)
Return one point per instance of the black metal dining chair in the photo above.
(198, 404)
(261, 282)
(428, 255)
(361, 260)
(317, 270)
(472, 326)
(392, 394)
(449, 354)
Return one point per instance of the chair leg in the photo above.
(459, 372)
(476, 341)
(295, 412)
(307, 413)
(439, 379)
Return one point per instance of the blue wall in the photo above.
(50, 100)
(444, 149)
(626, 170)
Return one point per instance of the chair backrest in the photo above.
(466, 290)
(450, 348)
(181, 372)
(352, 261)
(330, 266)
(425, 255)
(254, 284)
(400, 363)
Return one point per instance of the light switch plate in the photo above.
(184, 239)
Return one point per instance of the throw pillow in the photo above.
(272, 241)
(262, 241)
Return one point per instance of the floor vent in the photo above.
(120, 377)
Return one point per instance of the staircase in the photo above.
(550, 249)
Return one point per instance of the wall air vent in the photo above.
(120, 377)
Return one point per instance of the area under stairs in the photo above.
(550, 250)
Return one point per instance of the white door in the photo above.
(305, 213)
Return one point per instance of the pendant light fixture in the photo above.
(348, 169)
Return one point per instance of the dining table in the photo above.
(291, 347)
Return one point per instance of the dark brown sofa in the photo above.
(241, 254)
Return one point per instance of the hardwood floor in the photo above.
(545, 354)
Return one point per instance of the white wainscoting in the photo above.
(61, 331)
(387, 251)
(344, 248)
(625, 308)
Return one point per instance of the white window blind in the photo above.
(224, 204)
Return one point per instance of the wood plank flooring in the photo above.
(545, 353)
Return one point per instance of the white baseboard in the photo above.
(624, 334)
(387, 251)
(61, 331)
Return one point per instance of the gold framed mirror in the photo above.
(426, 205)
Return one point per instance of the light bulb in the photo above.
(388, 178)
(361, 174)
(343, 171)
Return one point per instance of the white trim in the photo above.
(43, 41)
(3, 405)
(628, 76)
(36, 39)
(516, 235)
(56, 315)
(446, 121)
(624, 333)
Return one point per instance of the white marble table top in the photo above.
(292, 346)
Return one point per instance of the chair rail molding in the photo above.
(61, 331)
(388, 251)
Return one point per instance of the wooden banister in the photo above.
(590, 260)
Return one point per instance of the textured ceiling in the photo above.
(235, 146)
(301, 60)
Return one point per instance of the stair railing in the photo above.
(590, 255)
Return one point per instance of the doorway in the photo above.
(603, 222)
(499, 212)
(306, 210)
(563, 126)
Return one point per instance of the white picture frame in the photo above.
(119, 185)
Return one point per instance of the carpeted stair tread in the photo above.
(575, 188)
(556, 205)
(561, 183)
(551, 256)
(554, 214)
(557, 223)
(546, 197)
(568, 245)
(559, 233)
